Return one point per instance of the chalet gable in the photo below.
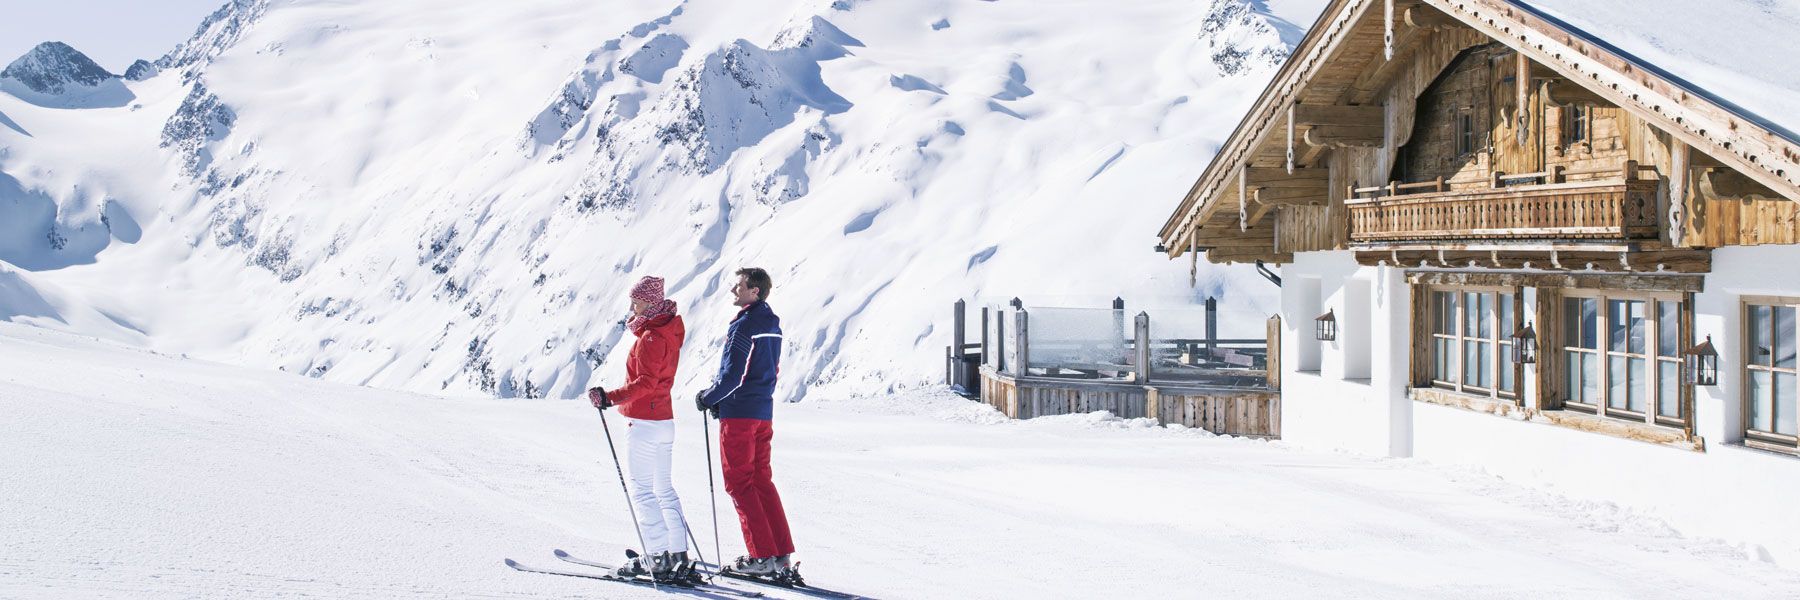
(1334, 149)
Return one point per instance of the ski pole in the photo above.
(712, 494)
(628, 504)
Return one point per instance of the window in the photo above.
(1622, 356)
(1465, 132)
(1770, 370)
(1577, 125)
(1471, 340)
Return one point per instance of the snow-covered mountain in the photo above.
(432, 196)
(53, 74)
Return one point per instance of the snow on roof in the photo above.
(1737, 53)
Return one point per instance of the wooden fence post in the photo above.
(1212, 329)
(953, 371)
(1118, 339)
(1021, 342)
(1001, 364)
(984, 336)
(1142, 335)
(1272, 360)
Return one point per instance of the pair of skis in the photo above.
(609, 574)
(791, 581)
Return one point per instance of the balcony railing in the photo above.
(1623, 208)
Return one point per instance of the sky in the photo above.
(112, 32)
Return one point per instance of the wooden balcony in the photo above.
(1616, 209)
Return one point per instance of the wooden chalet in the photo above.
(1539, 254)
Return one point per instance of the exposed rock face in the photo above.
(55, 68)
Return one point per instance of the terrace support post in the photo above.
(1142, 338)
(984, 336)
(1021, 342)
(1522, 88)
(1212, 329)
(1678, 186)
(958, 321)
(1290, 138)
(1000, 363)
(1118, 338)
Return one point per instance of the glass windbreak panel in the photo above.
(1668, 328)
(1668, 389)
(1760, 350)
(1784, 403)
(1615, 392)
(1759, 400)
(1625, 319)
(1083, 339)
(1784, 337)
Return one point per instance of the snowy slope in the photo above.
(430, 197)
(137, 475)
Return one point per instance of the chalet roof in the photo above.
(1738, 53)
(1719, 80)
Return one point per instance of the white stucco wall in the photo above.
(1354, 399)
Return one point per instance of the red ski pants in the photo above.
(744, 457)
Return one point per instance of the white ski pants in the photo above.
(651, 446)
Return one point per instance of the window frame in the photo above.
(1752, 436)
(1578, 125)
(1499, 341)
(1651, 356)
(1465, 132)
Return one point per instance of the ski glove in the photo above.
(598, 397)
(700, 403)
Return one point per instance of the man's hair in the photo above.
(759, 279)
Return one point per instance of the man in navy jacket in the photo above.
(743, 398)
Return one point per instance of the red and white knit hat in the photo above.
(649, 289)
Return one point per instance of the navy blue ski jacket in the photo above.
(745, 388)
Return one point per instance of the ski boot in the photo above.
(676, 567)
(787, 571)
(755, 567)
(634, 566)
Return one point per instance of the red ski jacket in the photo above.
(650, 371)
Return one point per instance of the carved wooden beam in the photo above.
(1273, 177)
(1565, 92)
(1317, 115)
(1430, 19)
(1337, 136)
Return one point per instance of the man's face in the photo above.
(743, 294)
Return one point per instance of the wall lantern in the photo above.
(1525, 345)
(1700, 364)
(1327, 326)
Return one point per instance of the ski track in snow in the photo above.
(130, 474)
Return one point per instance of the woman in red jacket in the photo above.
(650, 432)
